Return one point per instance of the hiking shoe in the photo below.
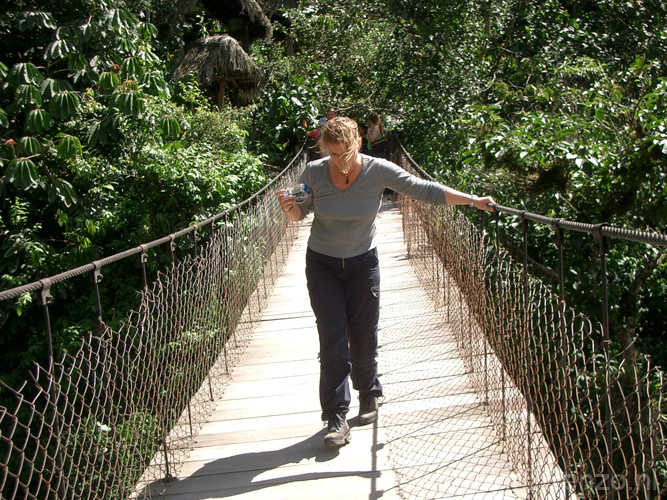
(368, 408)
(338, 432)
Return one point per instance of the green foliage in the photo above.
(99, 152)
(554, 107)
(226, 130)
(340, 64)
(580, 139)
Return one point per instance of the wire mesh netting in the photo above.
(118, 417)
(575, 419)
(438, 436)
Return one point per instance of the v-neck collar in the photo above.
(352, 184)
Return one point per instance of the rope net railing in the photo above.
(575, 419)
(117, 418)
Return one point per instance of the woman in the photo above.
(342, 264)
(363, 130)
(376, 137)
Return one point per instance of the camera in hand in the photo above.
(299, 191)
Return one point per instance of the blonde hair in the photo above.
(341, 130)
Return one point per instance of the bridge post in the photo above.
(501, 324)
(172, 248)
(143, 258)
(601, 245)
(246, 288)
(224, 300)
(266, 251)
(167, 473)
(485, 326)
(445, 274)
(528, 365)
(45, 299)
(559, 239)
(96, 278)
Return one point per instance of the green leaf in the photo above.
(81, 68)
(64, 105)
(21, 172)
(99, 132)
(36, 19)
(132, 67)
(96, 134)
(3, 119)
(51, 87)
(120, 19)
(170, 127)
(58, 49)
(29, 146)
(149, 29)
(129, 103)
(69, 147)
(28, 96)
(173, 146)
(108, 81)
(87, 30)
(76, 62)
(37, 121)
(22, 302)
(154, 84)
(62, 190)
(126, 46)
(24, 74)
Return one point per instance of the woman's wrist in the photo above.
(473, 198)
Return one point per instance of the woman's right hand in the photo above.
(287, 202)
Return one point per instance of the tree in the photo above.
(99, 153)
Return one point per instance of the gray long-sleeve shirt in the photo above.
(344, 221)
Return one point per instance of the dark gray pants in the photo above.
(345, 297)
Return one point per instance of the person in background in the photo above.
(375, 136)
(363, 130)
(315, 133)
(342, 270)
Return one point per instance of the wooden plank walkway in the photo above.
(433, 438)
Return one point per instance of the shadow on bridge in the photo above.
(241, 474)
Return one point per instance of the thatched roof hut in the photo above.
(245, 20)
(219, 62)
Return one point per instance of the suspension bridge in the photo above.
(494, 388)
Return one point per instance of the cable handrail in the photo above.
(604, 229)
(78, 271)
